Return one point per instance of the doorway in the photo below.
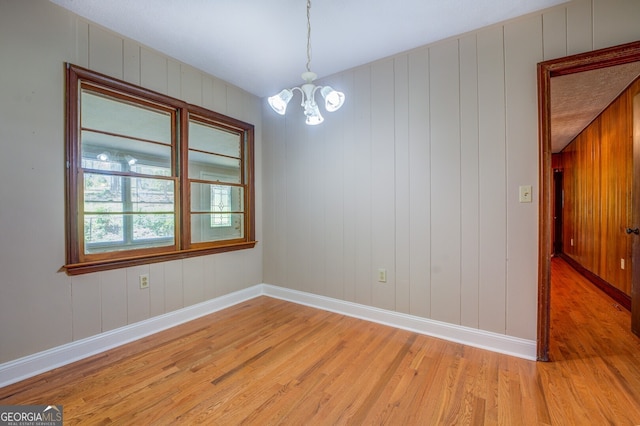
(603, 58)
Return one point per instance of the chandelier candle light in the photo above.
(333, 99)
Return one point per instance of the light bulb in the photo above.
(333, 99)
(279, 102)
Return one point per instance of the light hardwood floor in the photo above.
(267, 361)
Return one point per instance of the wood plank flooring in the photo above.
(267, 362)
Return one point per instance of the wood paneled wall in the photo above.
(41, 307)
(419, 173)
(597, 193)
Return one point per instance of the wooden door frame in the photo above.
(596, 59)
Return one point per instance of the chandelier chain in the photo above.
(309, 35)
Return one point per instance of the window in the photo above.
(151, 178)
(220, 202)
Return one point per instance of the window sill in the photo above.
(104, 265)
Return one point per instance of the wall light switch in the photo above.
(382, 275)
(525, 194)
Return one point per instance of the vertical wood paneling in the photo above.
(251, 272)
(402, 187)
(420, 184)
(42, 36)
(190, 85)
(230, 272)
(364, 192)
(579, 27)
(207, 92)
(492, 171)
(193, 280)
(316, 198)
(446, 171)
(35, 299)
(523, 50)
(616, 149)
(157, 299)
(271, 174)
(297, 247)
(295, 201)
(138, 301)
(383, 200)
(131, 65)
(173, 294)
(87, 315)
(113, 299)
(173, 78)
(277, 175)
(210, 281)
(235, 102)
(597, 183)
(333, 147)
(622, 15)
(219, 96)
(105, 52)
(153, 71)
(469, 183)
(350, 213)
(554, 35)
(82, 42)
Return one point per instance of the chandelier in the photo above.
(333, 99)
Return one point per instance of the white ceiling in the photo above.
(260, 45)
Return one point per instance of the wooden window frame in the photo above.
(79, 263)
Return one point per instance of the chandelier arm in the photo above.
(301, 93)
(313, 94)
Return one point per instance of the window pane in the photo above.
(217, 168)
(202, 231)
(102, 193)
(127, 152)
(211, 139)
(109, 232)
(147, 227)
(149, 212)
(151, 195)
(203, 198)
(102, 228)
(112, 115)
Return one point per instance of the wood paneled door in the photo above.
(609, 57)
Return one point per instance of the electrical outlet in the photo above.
(382, 275)
(144, 280)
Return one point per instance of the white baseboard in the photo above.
(31, 365)
(521, 348)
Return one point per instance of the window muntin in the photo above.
(126, 151)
